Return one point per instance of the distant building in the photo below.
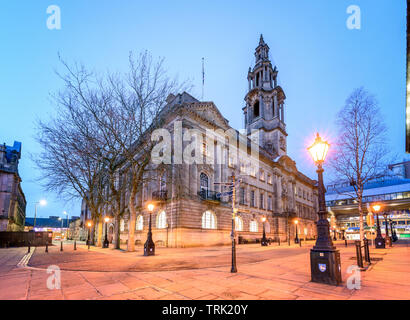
(12, 199)
(392, 191)
(55, 224)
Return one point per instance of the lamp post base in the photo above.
(325, 266)
(106, 244)
(380, 243)
(264, 242)
(296, 240)
(149, 247)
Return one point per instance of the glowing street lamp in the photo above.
(106, 244)
(264, 241)
(296, 231)
(324, 258)
(380, 242)
(42, 203)
(89, 225)
(149, 246)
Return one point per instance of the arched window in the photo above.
(253, 226)
(140, 223)
(238, 224)
(162, 220)
(208, 220)
(256, 109)
(204, 181)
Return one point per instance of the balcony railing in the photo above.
(209, 195)
(160, 195)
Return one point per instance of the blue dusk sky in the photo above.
(320, 61)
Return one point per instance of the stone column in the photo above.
(275, 106)
(261, 106)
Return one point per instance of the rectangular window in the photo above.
(242, 196)
(261, 201)
(262, 175)
(252, 198)
(269, 203)
(269, 179)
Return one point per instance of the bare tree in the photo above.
(70, 160)
(360, 150)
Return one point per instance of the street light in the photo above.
(324, 258)
(149, 246)
(380, 242)
(106, 244)
(65, 213)
(42, 203)
(264, 241)
(296, 231)
(89, 225)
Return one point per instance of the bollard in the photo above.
(359, 256)
(345, 243)
(28, 249)
(300, 243)
(279, 241)
(75, 245)
(61, 247)
(46, 247)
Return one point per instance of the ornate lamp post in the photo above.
(296, 231)
(89, 225)
(264, 241)
(149, 246)
(380, 243)
(393, 231)
(324, 258)
(387, 237)
(106, 244)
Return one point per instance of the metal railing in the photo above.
(359, 254)
(209, 195)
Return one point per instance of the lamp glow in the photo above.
(150, 207)
(318, 150)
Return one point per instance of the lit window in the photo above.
(262, 175)
(269, 179)
(208, 220)
(253, 226)
(122, 225)
(162, 220)
(140, 222)
(238, 224)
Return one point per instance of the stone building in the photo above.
(12, 199)
(194, 208)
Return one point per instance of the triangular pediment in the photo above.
(286, 162)
(209, 112)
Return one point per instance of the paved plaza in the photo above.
(274, 272)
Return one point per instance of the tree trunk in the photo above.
(117, 238)
(131, 224)
(99, 232)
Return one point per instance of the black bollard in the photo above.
(345, 243)
(61, 247)
(359, 256)
(300, 243)
(279, 241)
(28, 249)
(75, 245)
(46, 247)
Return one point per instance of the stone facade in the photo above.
(12, 199)
(189, 209)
